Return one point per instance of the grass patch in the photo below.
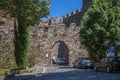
(15, 70)
(20, 69)
(4, 71)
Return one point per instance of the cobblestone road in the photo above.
(68, 73)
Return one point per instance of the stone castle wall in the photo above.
(46, 42)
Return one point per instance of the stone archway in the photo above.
(60, 49)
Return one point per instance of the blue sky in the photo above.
(62, 7)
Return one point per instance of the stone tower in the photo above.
(86, 4)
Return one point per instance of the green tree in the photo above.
(101, 28)
(26, 13)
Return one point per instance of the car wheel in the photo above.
(95, 68)
(92, 68)
(74, 66)
(108, 69)
(80, 67)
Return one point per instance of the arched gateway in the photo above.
(60, 49)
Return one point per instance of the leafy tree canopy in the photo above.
(30, 10)
(101, 27)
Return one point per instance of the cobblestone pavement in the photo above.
(68, 73)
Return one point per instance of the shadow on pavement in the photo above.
(65, 67)
(69, 75)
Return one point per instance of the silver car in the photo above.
(83, 63)
(87, 63)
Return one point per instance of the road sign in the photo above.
(46, 55)
(36, 3)
(111, 49)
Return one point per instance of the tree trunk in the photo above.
(21, 43)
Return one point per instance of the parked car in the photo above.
(62, 60)
(108, 64)
(83, 63)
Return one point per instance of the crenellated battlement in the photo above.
(73, 17)
(65, 18)
(72, 13)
